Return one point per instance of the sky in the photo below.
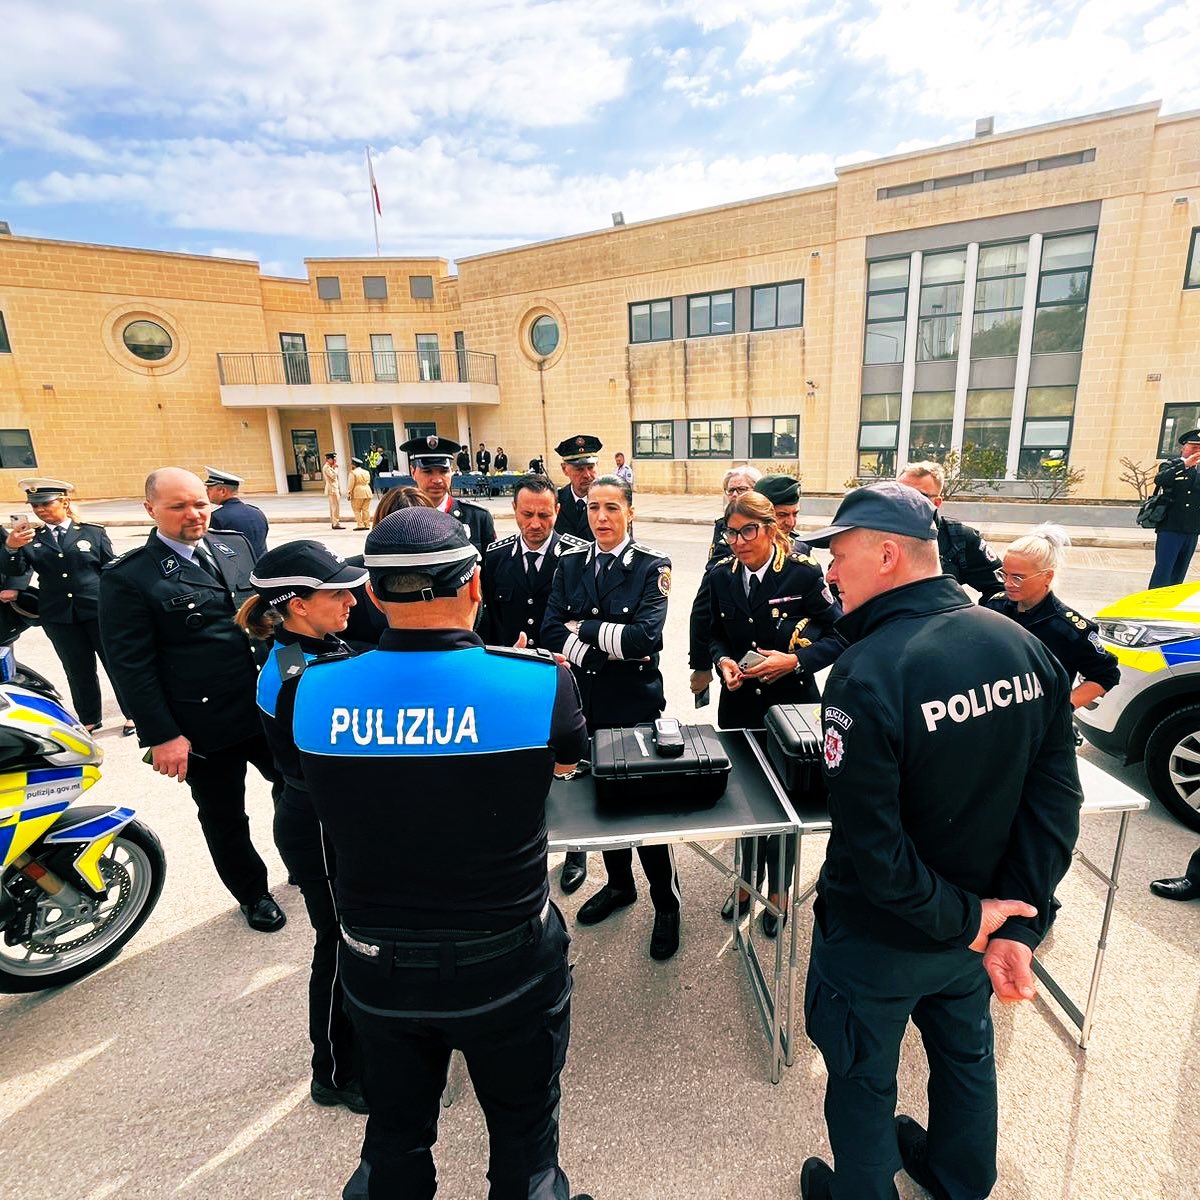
(238, 127)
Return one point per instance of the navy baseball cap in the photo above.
(887, 507)
(420, 541)
(287, 570)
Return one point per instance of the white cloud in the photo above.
(784, 81)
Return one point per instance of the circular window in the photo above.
(544, 335)
(147, 340)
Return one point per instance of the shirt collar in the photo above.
(428, 639)
(447, 503)
(616, 551)
(526, 548)
(187, 549)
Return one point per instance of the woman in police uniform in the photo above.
(606, 612)
(303, 601)
(769, 598)
(67, 557)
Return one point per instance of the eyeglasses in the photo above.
(1020, 579)
(747, 532)
(737, 491)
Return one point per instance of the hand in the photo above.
(1191, 460)
(731, 673)
(994, 914)
(1008, 965)
(171, 758)
(775, 665)
(572, 627)
(8, 594)
(699, 681)
(521, 642)
(17, 538)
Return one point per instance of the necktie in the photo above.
(602, 563)
(752, 594)
(205, 559)
(531, 562)
(56, 534)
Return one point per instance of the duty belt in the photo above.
(442, 947)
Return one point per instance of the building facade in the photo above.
(1029, 299)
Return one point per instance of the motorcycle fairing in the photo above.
(96, 832)
(32, 801)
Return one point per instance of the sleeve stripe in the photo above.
(609, 638)
(574, 649)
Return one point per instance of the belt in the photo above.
(443, 948)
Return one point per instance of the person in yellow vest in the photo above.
(333, 490)
(359, 493)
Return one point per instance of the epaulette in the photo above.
(582, 548)
(729, 558)
(228, 533)
(1074, 619)
(504, 541)
(574, 542)
(796, 556)
(528, 653)
(123, 558)
(646, 550)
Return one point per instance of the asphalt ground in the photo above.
(182, 1068)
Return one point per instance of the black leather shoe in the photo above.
(912, 1141)
(603, 904)
(1180, 888)
(574, 871)
(328, 1097)
(771, 923)
(816, 1180)
(664, 940)
(264, 914)
(743, 907)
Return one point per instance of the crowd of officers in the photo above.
(568, 614)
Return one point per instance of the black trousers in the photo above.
(308, 855)
(659, 864)
(510, 1017)
(767, 864)
(78, 646)
(218, 784)
(858, 1000)
(1172, 557)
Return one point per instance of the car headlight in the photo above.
(1145, 633)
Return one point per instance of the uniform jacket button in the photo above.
(529, 621)
(530, 600)
(595, 612)
(65, 575)
(70, 595)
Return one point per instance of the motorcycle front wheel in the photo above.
(67, 945)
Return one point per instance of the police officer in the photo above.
(517, 572)
(1175, 535)
(232, 512)
(450, 940)
(951, 774)
(963, 552)
(1029, 566)
(578, 455)
(607, 608)
(431, 461)
(67, 557)
(483, 459)
(303, 601)
(783, 491)
(359, 489)
(187, 673)
(333, 490)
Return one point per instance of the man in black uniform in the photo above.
(951, 773)
(186, 670)
(963, 552)
(478, 965)
(232, 512)
(517, 573)
(483, 459)
(431, 461)
(578, 456)
(1175, 536)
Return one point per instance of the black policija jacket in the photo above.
(950, 763)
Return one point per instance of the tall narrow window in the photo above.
(1191, 276)
(5, 346)
(429, 357)
(1063, 287)
(383, 357)
(941, 305)
(999, 294)
(337, 358)
(878, 430)
(887, 306)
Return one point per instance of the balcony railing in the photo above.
(358, 366)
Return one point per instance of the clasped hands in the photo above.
(1007, 962)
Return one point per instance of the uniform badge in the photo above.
(826, 594)
(628, 559)
(82, 545)
(432, 442)
(835, 749)
(580, 442)
(664, 580)
(228, 551)
(169, 565)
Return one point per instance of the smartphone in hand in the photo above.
(750, 659)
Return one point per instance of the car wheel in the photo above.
(1173, 764)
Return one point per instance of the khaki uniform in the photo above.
(333, 492)
(360, 497)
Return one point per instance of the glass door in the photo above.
(295, 358)
(337, 358)
(383, 355)
(428, 356)
(460, 352)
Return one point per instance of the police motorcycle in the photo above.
(76, 881)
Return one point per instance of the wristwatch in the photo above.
(798, 669)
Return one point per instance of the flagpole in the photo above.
(373, 197)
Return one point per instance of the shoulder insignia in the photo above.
(582, 548)
(528, 653)
(123, 558)
(646, 550)
(504, 541)
(1073, 618)
(290, 661)
(807, 559)
(574, 542)
(664, 580)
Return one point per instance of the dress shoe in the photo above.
(771, 923)
(95, 727)
(328, 1097)
(1181, 888)
(664, 940)
(574, 871)
(913, 1143)
(128, 729)
(337, 527)
(743, 907)
(603, 904)
(816, 1180)
(264, 914)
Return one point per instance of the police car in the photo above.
(1154, 712)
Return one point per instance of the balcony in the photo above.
(357, 378)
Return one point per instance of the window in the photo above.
(1063, 287)
(988, 417)
(428, 357)
(999, 294)
(653, 439)
(147, 340)
(779, 306)
(329, 287)
(383, 357)
(374, 287)
(420, 287)
(878, 431)
(710, 314)
(710, 439)
(5, 346)
(1177, 419)
(941, 305)
(16, 449)
(1191, 276)
(650, 322)
(931, 426)
(887, 307)
(1046, 439)
(774, 437)
(337, 358)
(543, 336)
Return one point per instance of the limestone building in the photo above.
(1035, 293)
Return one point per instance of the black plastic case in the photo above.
(794, 748)
(628, 771)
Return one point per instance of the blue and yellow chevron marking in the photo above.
(109, 822)
(62, 727)
(31, 801)
(87, 861)
(21, 829)
(1181, 654)
(42, 704)
(1146, 661)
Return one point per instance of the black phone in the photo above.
(668, 737)
(703, 698)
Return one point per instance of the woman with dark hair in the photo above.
(766, 600)
(303, 600)
(607, 609)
